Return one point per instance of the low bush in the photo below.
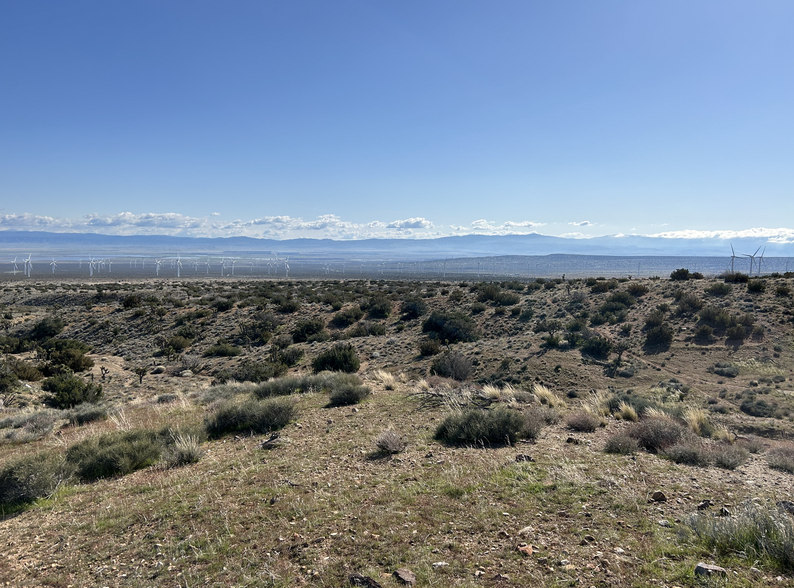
(114, 454)
(222, 349)
(26, 479)
(719, 289)
(657, 433)
(413, 308)
(342, 357)
(689, 452)
(185, 450)
(429, 347)
(87, 413)
(736, 333)
(598, 347)
(47, 328)
(729, 457)
(681, 274)
(781, 458)
(756, 286)
(661, 336)
(452, 365)
(68, 391)
(582, 421)
(759, 532)
(290, 356)
(479, 427)
(250, 417)
(390, 442)
(348, 316)
(347, 395)
(367, 329)
(452, 327)
(725, 370)
(621, 444)
(305, 329)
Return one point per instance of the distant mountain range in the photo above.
(17, 242)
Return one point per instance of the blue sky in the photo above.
(349, 119)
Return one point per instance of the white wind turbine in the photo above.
(208, 266)
(53, 265)
(752, 258)
(15, 266)
(286, 267)
(178, 266)
(90, 266)
(28, 265)
(110, 266)
(760, 260)
(157, 264)
(733, 256)
(80, 261)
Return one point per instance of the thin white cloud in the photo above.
(781, 235)
(483, 226)
(410, 223)
(584, 223)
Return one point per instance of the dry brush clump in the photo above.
(782, 458)
(499, 426)
(254, 417)
(390, 442)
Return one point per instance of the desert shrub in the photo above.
(756, 286)
(600, 286)
(287, 305)
(526, 315)
(222, 304)
(68, 360)
(429, 347)
(681, 274)
(657, 434)
(725, 369)
(716, 317)
(87, 413)
(114, 454)
(67, 391)
(413, 308)
(617, 403)
(132, 301)
(582, 421)
(451, 326)
(255, 371)
(367, 329)
(689, 452)
(661, 336)
(637, 289)
(654, 319)
(390, 442)
(378, 307)
(494, 293)
(729, 457)
(324, 382)
(781, 458)
(47, 327)
(736, 333)
(753, 529)
(688, 304)
(719, 289)
(305, 329)
(452, 365)
(703, 334)
(290, 356)
(184, 450)
(598, 347)
(479, 427)
(621, 444)
(250, 417)
(536, 418)
(348, 394)
(26, 479)
(783, 290)
(339, 358)
(477, 308)
(347, 317)
(222, 349)
(178, 343)
(19, 369)
(758, 408)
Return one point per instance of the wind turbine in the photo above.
(208, 266)
(761, 259)
(28, 265)
(157, 264)
(752, 258)
(178, 266)
(286, 267)
(110, 266)
(80, 261)
(733, 256)
(15, 266)
(53, 265)
(233, 262)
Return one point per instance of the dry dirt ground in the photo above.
(324, 504)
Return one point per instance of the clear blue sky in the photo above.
(435, 117)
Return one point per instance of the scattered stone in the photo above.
(440, 564)
(354, 409)
(724, 512)
(589, 538)
(525, 549)
(705, 504)
(364, 581)
(704, 569)
(658, 496)
(563, 562)
(522, 457)
(786, 505)
(526, 531)
(405, 576)
(664, 523)
(375, 355)
(186, 374)
(573, 441)
(619, 551)
(158, 369)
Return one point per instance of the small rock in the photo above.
(526, 531)
(158, 369)
(405, 576)
(522, 457)
(365, 581)
(375, 355)
(440, 564)
(354, 409)
(589, 538)
(664, 523)
(786, 505)
(704, 569)
(705, 504)
(659, 496)
(573, 441)
(563, 562)
(724, 512)
(525, 549)
(619, 551)
(186, 374)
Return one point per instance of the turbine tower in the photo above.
(752, 258)
(733, 256)
(53, 265)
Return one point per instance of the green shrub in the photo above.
(72, 360)
(132, 301)
(637, 289)
(378, 307)
(736, 333)
(725, 370)
(339, 358)
(657, 434)
(621, 444)
(347, 317)
(114, 454)
(250, 417)
(478, 427)
(254, 371)
(367, 329)
(757, 531)
(47, 327)
(688, 304)
(680, 274)
(598, 347)
(452, 365)
(347, 395)
(451, 326)
(305, 329)
(413, 308)
(67, 391)
(654, 319)
(756, 286)
(704, 334)
(222, 349)
(783, 290)
(477, 308)
(87, 413)
(22, 370)
(185, 450)
(719, 289)
(689, 452)
(661, 336)
(429, 347)
(729, 457)
(26, 479)
(290, 357)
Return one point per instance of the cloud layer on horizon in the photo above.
(329, 226)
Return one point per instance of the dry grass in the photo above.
(547, 397)
(626, 412)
